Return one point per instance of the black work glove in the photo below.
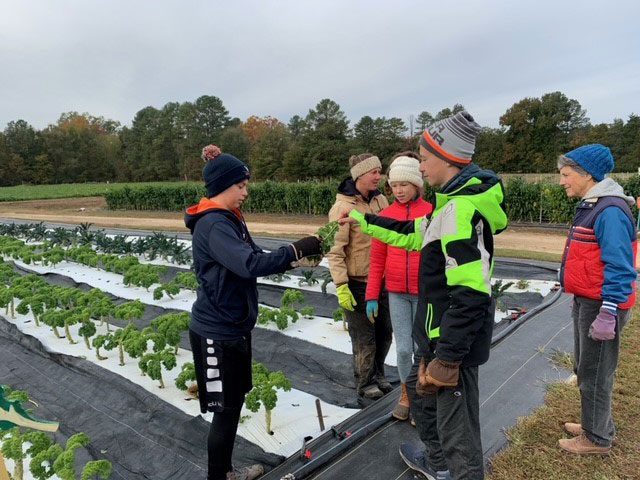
(307, 246)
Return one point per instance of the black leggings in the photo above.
(223, 373)
(222, 436)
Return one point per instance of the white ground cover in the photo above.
(319, 330)
(26, 475)
(293, 418)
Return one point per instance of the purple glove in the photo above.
(604, 326)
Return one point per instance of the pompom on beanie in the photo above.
(222, 170)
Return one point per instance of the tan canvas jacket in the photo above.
(349, 257)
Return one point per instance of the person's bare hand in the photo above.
(345, 219)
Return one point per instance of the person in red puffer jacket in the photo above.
(398, 268)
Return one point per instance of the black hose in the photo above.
(337, 449)
(497, 338)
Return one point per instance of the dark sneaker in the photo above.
(246, 473)
(415, 459)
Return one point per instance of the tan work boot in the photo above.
(582, 446)
(401, 412)
(246, 473)
(576, 430)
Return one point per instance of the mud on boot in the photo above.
(246, 473)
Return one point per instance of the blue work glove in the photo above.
(345, 297)
(604, 326)
(372, 310)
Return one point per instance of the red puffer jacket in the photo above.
(398, 267)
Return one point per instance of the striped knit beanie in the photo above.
(452, 139)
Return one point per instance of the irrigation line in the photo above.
(340, 447)
(505, 332)
(337, 449)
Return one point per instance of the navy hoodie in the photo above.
(227, 263)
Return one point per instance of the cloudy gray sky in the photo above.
(279, 58)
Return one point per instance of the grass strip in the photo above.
(68, 190)
(527, 254)
(533, 451)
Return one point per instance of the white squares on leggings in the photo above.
(212, 361)
(209, 341)
(215, 386)
(211, 350)
(213, 373)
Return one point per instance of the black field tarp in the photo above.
(512, 384)
(141, 435)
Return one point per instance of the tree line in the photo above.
(165, 144)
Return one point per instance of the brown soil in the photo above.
(94, 210)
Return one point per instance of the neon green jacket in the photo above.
(455, 312)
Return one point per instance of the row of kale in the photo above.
(157, 245)
(146, 275)
(62, 307)
(46, 457)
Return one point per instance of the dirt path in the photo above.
(93, 210)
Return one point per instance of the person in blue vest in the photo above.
(598, 268)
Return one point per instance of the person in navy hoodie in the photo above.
(227, 262)
(398, 268)
(598, 268)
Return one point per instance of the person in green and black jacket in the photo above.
(454, 320)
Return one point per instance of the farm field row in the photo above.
(319, 330)
(293, 420)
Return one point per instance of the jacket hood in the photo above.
(197, 211)
(348, 188)
(481, 187)
(608, 188)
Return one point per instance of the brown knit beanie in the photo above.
(363, 163)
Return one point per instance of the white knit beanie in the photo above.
(406, 169)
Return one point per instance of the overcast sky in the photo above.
(379, 58)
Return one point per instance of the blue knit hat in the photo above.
(595, 159)
(221, 171)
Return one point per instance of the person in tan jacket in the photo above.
(349, 266)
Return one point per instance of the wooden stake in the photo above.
(320, 418)
(4, 475)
